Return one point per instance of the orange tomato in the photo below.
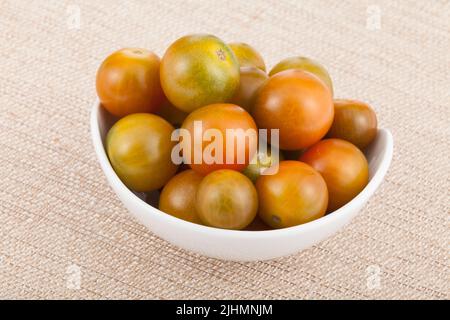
(343, 166)
(178, 196)
(298, 104)
(220, 118)
(226, 199)
(128, 82)
(295, 195)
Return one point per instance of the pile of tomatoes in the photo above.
(201, 79)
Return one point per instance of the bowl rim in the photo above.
(338, 214)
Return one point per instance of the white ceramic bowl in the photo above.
(239, 245)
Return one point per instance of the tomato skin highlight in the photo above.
(247, 56)
(128, 82)
(298, 104)
(343, 166)
(179, 195)
(221, 117)
(354, 121)
(139, 148)
(296, 194)
(226, 199)
(198, 70)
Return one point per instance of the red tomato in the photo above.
(343, 166)
(220, 118)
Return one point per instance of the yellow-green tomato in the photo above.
(139, 148)
(198, 70)
(247, 55)
(260, 162)
(251, 80)
(226, 199)
(304, 64)
(178, 196)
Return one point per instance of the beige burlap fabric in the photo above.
(63, 233)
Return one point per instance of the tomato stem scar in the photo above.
(221, 54)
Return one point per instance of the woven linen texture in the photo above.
(64, 234)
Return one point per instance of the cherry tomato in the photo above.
(173, 115)
(220, 118)
(226, 199)
(139, 148)
(178, 196)
(247, 55)
(354, 121)
(251, 80)
(298, 104)
(198, 70)
(295, 195)
(293, 154)
(260, 162)
(304, 64)
(128, 82)
(342, 165)
(257, 225)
